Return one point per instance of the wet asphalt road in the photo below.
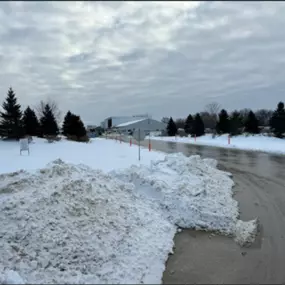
(200, 257)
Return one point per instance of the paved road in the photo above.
(260, 189)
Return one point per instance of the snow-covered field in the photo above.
(256, 143)
(91, 213)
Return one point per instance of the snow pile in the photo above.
(73, 224)
(245, 142)
(192, 193)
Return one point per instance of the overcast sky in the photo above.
(100, 59)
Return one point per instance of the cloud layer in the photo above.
(164, 58)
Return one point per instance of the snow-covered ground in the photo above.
(256, 142)
(91, 213)
(99, 153)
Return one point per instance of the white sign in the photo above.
(24, 146)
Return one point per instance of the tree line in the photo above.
(237, 122)
(15, 124)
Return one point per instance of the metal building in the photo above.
(146, 125)
(113, 121)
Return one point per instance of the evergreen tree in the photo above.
(198, 126)
(171, 128)
(251, 124)
(48, 123)
(73, 127)
(66, 123)
(223, 124)
(189, 124)
(31, 124)
(277, 121)
(76, 127)
(236, 123)
(10, 119)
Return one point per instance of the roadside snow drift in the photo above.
(244, 142)
(72, 224)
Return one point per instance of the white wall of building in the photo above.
(147, 125)
(116, 120)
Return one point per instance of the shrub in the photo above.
(78, 139)
(52, 138)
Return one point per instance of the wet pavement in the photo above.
(203, 258)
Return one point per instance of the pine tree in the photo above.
(10, 119)
(31, 124)
(48, 123)
(66, 123)
(223, 124)
(73, 127)
(251, 124)
(277, 121)
(236, 123)
(171, 128)
(198, 126)
(77, 127)
(189, 124)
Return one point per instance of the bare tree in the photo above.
(213, 108)
(165, 120)
(210, 116)
(263, 116)
(244, 113)
(180, 123)
(209, 120)
(54, 107)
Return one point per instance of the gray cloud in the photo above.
(164, 58)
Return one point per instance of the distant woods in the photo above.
(42, 121)
(216, 120)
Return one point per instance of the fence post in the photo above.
(229, 139)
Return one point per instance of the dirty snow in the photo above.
(109, 219)
(255, 143)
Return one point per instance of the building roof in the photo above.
(130, 123)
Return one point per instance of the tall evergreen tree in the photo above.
(171, 128)
(31, 124)
(10, 119)
(48, 123)
(76, 127)
(66, 123)
(277, 121)
(236, 123)
(198, 126)
(251, 124)
(189, 124)
(223, 124)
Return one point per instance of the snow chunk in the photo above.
(246, 232)
(10, 277)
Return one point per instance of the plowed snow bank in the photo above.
(74, 224)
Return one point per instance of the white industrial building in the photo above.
(146, 125)
(114, 121)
